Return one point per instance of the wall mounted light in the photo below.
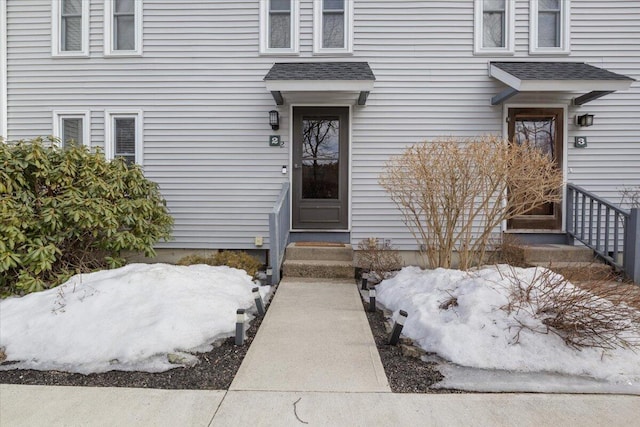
(274, 119)
(584, 120)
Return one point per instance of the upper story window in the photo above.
(71, 127)
(332, 26)
(123, 27)
(549, 26)
(123, 135)
(279, 26)
(70, 28)
(494, 27)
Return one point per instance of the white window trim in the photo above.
(565, 36)
(56, 26)
(317, 30)
(85, 115)
(264, 30)
(509, 30)
(108, 30)
(109, 125)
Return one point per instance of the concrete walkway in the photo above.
(315, 337)
(313, 362)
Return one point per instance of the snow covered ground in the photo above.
(124, 319)
(478, 333)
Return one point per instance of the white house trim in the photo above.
(85, 115)
(108, 30)
(509, 31)
(3, 72)
(318, 25)
(295, 30)
(56, 27)
(109, 123)
(565, 30)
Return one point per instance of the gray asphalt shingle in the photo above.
(320, 71)
(557, 71)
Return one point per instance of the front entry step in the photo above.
(576, 263)
(319, 260)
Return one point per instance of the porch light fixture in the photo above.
(584, 120)
(274, 119)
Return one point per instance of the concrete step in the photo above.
(321, 269)
(555, 253)
(319, 251)
(578, 271)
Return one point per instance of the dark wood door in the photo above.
(320, 187)
(543, 129)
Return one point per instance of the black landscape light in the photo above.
(397, 327)
(240, 326)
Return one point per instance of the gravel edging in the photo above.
(214, 371)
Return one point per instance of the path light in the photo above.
(584, 120)
(269, 276)
(258, 299)
(372, 299)
(365, 278)
(397, 327)
(274, 119)
(240, 326)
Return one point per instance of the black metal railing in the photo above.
(612, 232)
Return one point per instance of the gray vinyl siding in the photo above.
(200, 86)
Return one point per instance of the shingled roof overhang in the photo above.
(556, 77)
(309, 77)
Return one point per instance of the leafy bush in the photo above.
(235, 259)
(65, 211)
(454, 194)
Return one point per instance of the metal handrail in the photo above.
(611, 231)
(279, 220)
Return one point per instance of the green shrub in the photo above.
(65, 211)
(236, 259)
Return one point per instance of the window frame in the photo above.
(509, 30)
(565, 30)
(109, 26)
(265, 32)
(56, 31)
(60, 115)
(318, 17)
(110, 117)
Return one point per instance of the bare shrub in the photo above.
(379, 257)
(507, 249)
(453, 193)
(603, 317)
(630, 196)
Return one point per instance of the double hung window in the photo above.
(71, 127)
(332, 26)
(123, 135)
(549, 25)
(123, 27)
(494, 27)
(70, 25)
(279, 22)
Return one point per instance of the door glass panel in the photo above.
(320, 158)
(540, 134)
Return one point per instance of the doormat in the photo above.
(321, 244)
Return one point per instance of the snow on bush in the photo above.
(124, 319)
(464, 317)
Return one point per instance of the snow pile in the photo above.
(478, 333)
(124, 319)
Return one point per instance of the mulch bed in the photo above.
(217, 368)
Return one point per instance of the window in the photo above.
(70, 28)
(494, 27)
(549, 26)
(123, 135)
(71, 127)
(279, 26)
(332, 26)
(123, 27)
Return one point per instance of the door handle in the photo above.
(296, 166)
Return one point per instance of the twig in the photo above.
(295, 411)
